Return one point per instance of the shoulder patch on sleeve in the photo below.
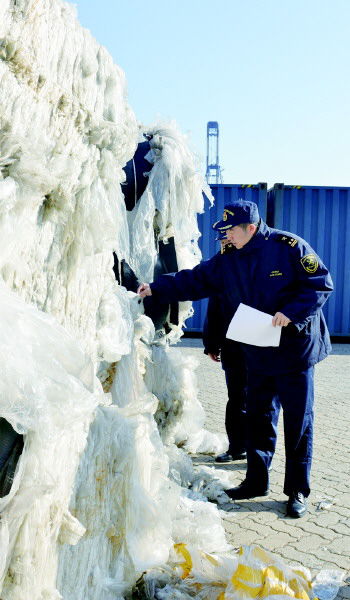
(309, 263)
(287, 239)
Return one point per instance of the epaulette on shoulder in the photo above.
(286, 239)
(226, 249)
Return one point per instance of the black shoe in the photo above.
(226, 457)
(245, 491)
(296, 505)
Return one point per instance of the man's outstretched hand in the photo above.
(144, 290)
(280, 319)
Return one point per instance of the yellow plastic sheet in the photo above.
(252, 573)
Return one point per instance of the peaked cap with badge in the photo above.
(237, 213)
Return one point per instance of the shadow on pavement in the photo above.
(209, 462)
(259, 506)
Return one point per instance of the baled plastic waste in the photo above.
(97, 396)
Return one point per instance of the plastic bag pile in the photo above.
(48, 393)
(66, 131)
(251, 573)
(96, 491)
(91, 468)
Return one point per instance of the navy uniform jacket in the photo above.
(275, 271)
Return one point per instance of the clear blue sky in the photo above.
(275, 74)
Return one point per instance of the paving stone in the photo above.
(341, 545)
(286, 526)
(261, 530)
(264, 516)
(330, 557)
(343, 511)
(322, 532)
(329, 518)
(232, 527)
(341, 528)
(293, 556)
(278, 540)
(244, 536)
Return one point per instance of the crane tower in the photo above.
(213, 173)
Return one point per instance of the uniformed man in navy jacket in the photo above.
(278, 273)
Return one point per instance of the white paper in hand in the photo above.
(251, 326)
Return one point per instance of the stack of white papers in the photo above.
(251, 326)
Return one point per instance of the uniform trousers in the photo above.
(236, 409)
(235, 417)
(295, 393)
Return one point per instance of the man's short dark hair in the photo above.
(245, 225)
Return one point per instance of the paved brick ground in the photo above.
(321, 539)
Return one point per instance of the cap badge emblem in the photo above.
(227, 212)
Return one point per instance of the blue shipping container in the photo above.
(223, 194)
(320, 215)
